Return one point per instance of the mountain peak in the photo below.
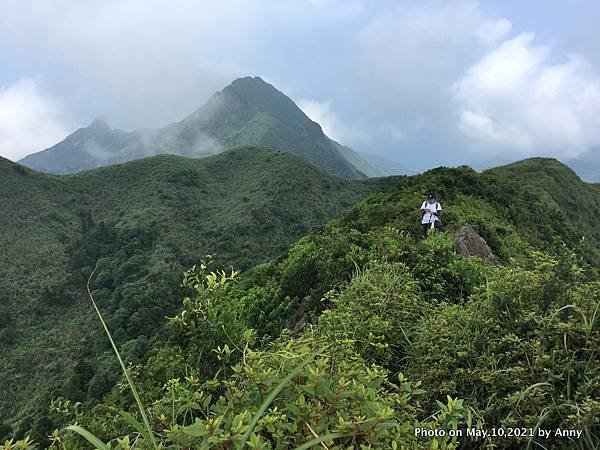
(100, 123)
(252, 89)
(249, 111)
(249, 81)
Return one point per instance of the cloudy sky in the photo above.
(423, 82)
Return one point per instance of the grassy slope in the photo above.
(515, 208)
(245, 205)
(489, 333)
(525, 206)
(560, 189)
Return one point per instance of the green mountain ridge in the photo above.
(404, 331)
(563, 192)
(586, 168)
(397, 331)
(144, 221)
(247, 112)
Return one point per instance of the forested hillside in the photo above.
(392, 330)
(143, 223)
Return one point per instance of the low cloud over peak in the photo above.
(30, 120)
(417, 81)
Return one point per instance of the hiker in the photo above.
(431, 210)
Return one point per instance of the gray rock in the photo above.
(298, 320)
(471, 244)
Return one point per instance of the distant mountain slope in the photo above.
(562, 192)
(358, 161)
(143, 222)
(385, 166)
(88, 147)
(587, 169)
(247, 112)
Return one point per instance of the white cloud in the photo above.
(394, 132)
(519, 99)
(408, 55)
(152, 63)
(332, 125)
(29, 119)
(355, 135)
(490, 32)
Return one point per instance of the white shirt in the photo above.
(428, 217)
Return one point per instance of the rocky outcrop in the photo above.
(469, 243)
(298, 320)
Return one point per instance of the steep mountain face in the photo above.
(142, 222)
(360, 162)
(247, 112)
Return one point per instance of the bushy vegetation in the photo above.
(391, 331)
(142, 223)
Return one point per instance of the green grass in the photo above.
(390, 302)
(144, 222)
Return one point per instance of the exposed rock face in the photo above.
(471, 244)
(298, 320)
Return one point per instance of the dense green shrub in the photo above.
(378, 311)
(329, 384)
(143, 222)
(508, 342)
(522, 351)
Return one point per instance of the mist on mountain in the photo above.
(247, 112)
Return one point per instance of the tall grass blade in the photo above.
(529, 389)
(123, 368)
(320, 439)
(136, 424)
(593, 320)
(97, 443)
(543, 416)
